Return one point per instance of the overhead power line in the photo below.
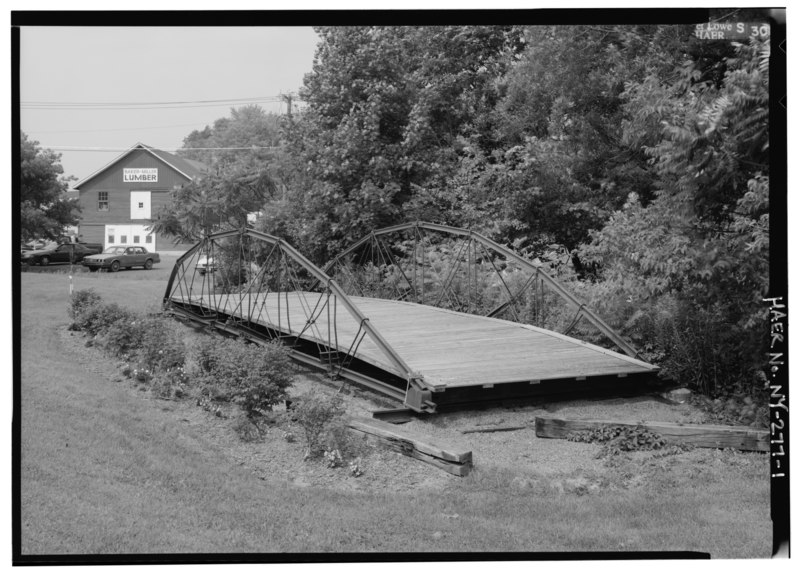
(171, 150)
(148, 105)
(121, 107)
(139, 128)
(275, 97)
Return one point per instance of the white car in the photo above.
(205, 264)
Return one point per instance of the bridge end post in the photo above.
(419, 397)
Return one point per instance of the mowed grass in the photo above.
(107, 470)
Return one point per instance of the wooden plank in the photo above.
(460, 470)
(394, 415)
(409, 443)
(411, 438)
(567, 363)
(474, 377)
(493, 429)
(699, 435)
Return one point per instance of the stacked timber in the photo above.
(699, 435)
(446, 457)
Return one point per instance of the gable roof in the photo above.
(186, 167)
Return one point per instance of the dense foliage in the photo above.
(256, 377)
(642, 151)
(45, 212)
(692, 265)
(240, 152)
(155, 352)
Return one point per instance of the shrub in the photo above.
(256, 377)
(98, 318)
(153, 344)
(701, 347)
(120, 335)
(160, 345)
(736, 407)
(170, 383)
(321, 418)
(206, 355)
(80, 302)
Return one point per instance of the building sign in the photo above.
(140, 174)
(731, 30)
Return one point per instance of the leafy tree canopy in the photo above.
(389, 110)
(247, 126)
(703, 241)
(242, 175)
(44, 210)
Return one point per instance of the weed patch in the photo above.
(617, 440)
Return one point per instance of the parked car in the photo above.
(64, 253)
(205, 264)
(116, 258)
(38, 245)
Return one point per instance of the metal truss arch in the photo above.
(257, 286)
(457, 273)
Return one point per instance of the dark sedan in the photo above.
(66, 253)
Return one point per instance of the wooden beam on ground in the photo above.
(699, 435)
(394, 415)
(493, 429)
(452, 460)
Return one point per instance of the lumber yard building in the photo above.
(119, 201)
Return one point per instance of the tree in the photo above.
(389, 110)
(693, 263)
(44, 210)
(248, 126)
(220, 201)
(566, 159)
(240, 182)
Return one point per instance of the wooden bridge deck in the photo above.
(448, 349)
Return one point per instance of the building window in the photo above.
(102, 200)
(149, 239)
(141, 204)
(136, 239)
(123, 239)
(111, 239)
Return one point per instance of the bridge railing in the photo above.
(462, 270)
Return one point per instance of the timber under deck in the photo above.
(450, 351)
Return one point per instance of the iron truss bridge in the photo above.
(428, 315)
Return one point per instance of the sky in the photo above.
(137, 74)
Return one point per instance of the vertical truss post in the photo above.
(414, 262)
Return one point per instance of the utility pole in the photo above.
(288, 99)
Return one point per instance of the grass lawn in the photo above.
(106, 469)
